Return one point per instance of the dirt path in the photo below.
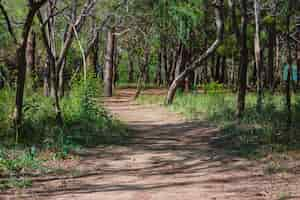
(169, 159)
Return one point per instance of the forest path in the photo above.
(167, 159)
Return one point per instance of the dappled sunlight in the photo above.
(162, 155)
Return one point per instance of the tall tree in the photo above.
(289, 63)
(30, 57)
(243, 67)
(258, 61)
(109, 63)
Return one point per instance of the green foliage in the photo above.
(228, 47)
(186, 16)
(179, 16)
(15, 183)
(212, 87)
(285, 196)
(89, 123)
(269, 20)
(15, 162)
(255, 134)
(86, 124)
(6, 108)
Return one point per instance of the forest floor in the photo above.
(167, 158)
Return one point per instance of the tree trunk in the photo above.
(277, 66)
(219, 6)
(236, 30)
(116, 60)
(96, 54)
(258, 60)
(61, 72)
(158, 80)
(165, 61)
(145, 66)
(271, 45)
(242, 77)
(178, 64)
(61, 80)
(21, 62)
(130, 68)
(217, 69)
(46, 78)
(30, 59)
(223, 70)
(289, 62)
(108, 72)
(52, 80)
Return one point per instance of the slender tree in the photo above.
(34, 6)
(242, 76)
(219, 6)
(108, 70)
(258, 61)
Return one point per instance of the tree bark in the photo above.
(108, 72)
(130, 68)
(158, 80)
(217, 68)
(116, 60)
(242, 77)
(258, 60)
(271, 47)
(289, 62)
(21, 62)
(57, 61)
(30, 58)
(223, 70)
(46, 78)
(61, 80)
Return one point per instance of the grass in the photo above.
(86, 124)
(134, 86)
(284, 196)
(256, 134)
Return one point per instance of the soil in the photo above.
(168, 158)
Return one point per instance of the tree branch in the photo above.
(8, 23)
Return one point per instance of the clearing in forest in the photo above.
(167, 158)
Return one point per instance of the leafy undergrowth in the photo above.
(256, 134)
(86, 124)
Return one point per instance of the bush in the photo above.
(212, 87)
(86, 124)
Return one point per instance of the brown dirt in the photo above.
(168, 159)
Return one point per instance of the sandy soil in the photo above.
(168, 159)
